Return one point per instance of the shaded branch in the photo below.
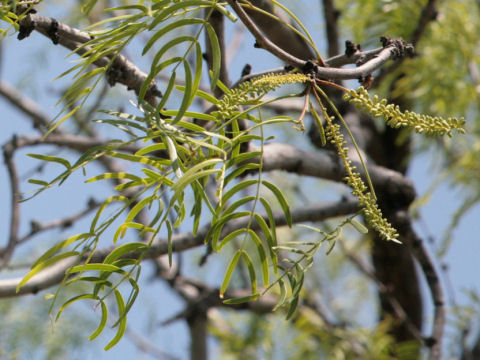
(436, 292)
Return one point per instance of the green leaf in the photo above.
(122, 327)
(168, 91)
(188, 95)
(122, 229)
(55, 159)
(169, 242)
(151, 148)
(137, 180)
(251, 271)
(240, 186)
(103, 321)
(318, 121)
(59, 122)
(94, 267)
(43, 265)
(271, 241)
(138, 159)
(283, 294)
(281, 199)
(103, 206)
(38, 182)
(216, 54)
(214, 234)
(263, 257)
(228, 274)
(74, 299)
(174, 25)
(241, 300)
(139, 207)
(238, 204)
(358, 226)
(61, 245)
(124, 250)
(231, 236)
(194, 173)
(172, 153)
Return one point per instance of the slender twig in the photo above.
(37, 227)
(7, 252)
(262, 41)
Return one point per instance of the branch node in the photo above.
(310, 68)
(25, 30)
(53, 32)
(430, 342)
(114, 74)
(351, 48)
(402, 48)
(247, 69)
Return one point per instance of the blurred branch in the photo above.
(27, 106)
(382, 288)
(331, 15)
(36, 227)
(7, 252)
(428, 14)
(180, 242)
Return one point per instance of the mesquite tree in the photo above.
(197, 154)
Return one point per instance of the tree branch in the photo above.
(262, 41)
(180, 242)
(6, 253)
(327, 165)
(331, 15)
(71, 38)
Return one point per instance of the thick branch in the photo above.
(327, 165)
(126, 72)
